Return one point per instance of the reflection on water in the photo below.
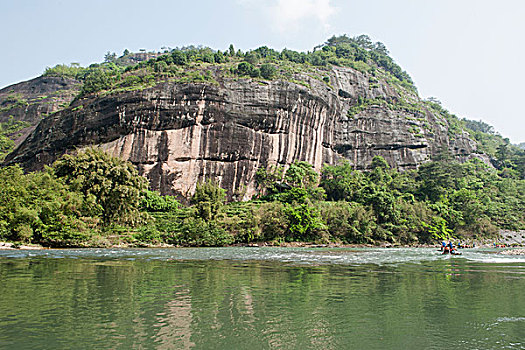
(260, 298)
(174, 324)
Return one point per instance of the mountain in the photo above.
(23, 105)
(194, 113)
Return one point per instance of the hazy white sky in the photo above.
(467, 53)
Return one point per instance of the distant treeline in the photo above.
(92, 199)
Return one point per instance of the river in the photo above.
(261, 298)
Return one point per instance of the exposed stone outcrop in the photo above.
(31, 100)
(179, 133)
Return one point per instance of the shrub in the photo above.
(208, 199)
(131, 80)
(252, 57)
(154, 202)
(271, 221)
(245, 68)
(198, 232)
(179, 57)
(268, 71)
(348, 222)
(96, 80)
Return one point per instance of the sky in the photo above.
(469, 54)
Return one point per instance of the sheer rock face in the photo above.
(180, 134)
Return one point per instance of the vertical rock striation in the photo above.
(181, 133)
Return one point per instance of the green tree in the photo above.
(110, 57)
(252, 57)
(208, 200)
(345, 51)
(301, 174)
(303, 181)
(349, 222)
(341, 182)
(438, 178)
(267, 179)
(381, 48)
(96, 79)
(502, 155)
(246, 68)
(466, 202)
(271, 221)
(438, 228)
(219, 57)
(268, 71)
(231, 50)
(304, 222)
(179, 57)
(38, 208)
(114, 183)
(383, 202)
(160, 67)
(379, 162)
(63, 70)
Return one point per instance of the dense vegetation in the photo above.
(202, 64)
(93, 199)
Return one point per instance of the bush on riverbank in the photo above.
(93, 199)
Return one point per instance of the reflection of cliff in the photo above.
(175, 323)
(181, 133)
(248, 304)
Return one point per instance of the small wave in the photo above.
(335, 256)
(492, 259)
(511, 319)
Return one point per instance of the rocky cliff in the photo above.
(181, 133)
(30, 101)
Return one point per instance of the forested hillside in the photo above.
(348, 153)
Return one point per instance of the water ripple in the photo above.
(306, 256)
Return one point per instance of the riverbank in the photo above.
(511, 238)
(8, 245)
(507, 239)
(504, 239)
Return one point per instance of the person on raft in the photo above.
(443, 245)
(449, 248)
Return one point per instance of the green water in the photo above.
(270, 298)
